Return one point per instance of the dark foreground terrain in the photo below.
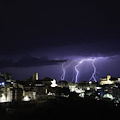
(60, 109)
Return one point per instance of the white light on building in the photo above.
(3, 98)
(53, 83)
(2, 83)
(108, 96)
(26, 98)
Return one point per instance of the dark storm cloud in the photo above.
(6, 63)
(29, 61)
(59, 29)
(84, 49)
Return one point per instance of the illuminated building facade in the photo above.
(109, 80)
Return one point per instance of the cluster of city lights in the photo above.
(2, 83)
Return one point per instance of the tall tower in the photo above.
(35, 76)
(108, 77)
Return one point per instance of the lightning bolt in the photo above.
(77, 71)
(73, 76)
(94, 72)
(64, 69)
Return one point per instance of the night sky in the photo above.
(41, 36)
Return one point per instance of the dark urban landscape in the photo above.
(59, 59)
(47, 98)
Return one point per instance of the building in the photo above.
(109, 80)
(35, 76)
